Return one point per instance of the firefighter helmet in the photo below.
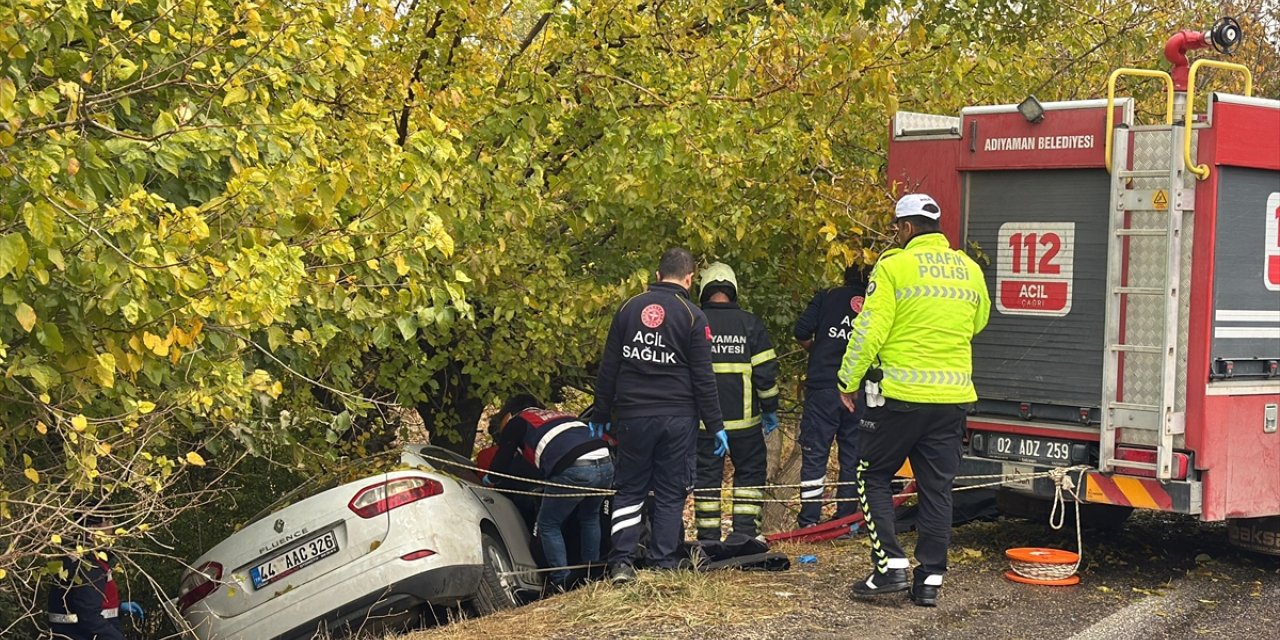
(718, 276)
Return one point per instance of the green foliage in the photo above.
(234, 227)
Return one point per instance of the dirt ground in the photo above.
(1160, 576)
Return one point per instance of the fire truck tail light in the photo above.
(1180, 462)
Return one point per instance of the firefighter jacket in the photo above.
(548, 440)
(85, 605)
(924, 305)
(827, 321)
(657, 360)
(745, 364)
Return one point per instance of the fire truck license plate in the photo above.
(1029, 449)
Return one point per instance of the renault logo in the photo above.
(279, 526)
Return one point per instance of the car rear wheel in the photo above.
(497, 589)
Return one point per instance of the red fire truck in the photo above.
(1134, 271)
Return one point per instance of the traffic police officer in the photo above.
(746, 369)
(656, 381)
(910, 349)
(823, 330)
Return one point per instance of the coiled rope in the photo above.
(1053, 566)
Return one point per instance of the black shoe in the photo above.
(555, 587)
(621, 574)
(924, 595)
(892, 581)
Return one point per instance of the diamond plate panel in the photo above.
(1145, 315)
(908, 122)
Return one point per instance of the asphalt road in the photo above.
(1159, 576)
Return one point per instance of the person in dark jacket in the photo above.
(656, 381)
(823, 330)
(565, 452)
(746, 369)
(84, 603)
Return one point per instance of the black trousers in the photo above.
(750, 468)
(825, 420)
(654, 454)
(928, 435)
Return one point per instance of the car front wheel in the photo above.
(497, 590)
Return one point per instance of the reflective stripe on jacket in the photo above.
(745, 363)
(924, 305)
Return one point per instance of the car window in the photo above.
(345, 471)
(461, 466)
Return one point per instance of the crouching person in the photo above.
(84, 603)
(565, 452)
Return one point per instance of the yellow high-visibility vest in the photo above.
(924, 305)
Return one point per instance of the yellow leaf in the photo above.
(104, 448)
(26, 316)
(79, 423)
(3, 573)
(238, 94)
(55, 538)
(42, 428)
(195, 459)
(154, 36)
(156, 344)
(105, 373)
(146, 407)
(32, 475)
(44, 397)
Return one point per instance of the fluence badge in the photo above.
(855, 303)
(653, 315)
(871, 288)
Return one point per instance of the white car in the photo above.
(381, 539)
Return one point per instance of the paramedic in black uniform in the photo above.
(656, 381)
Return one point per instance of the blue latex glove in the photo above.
(770, 421)
(133, 609)
(722, 443)
(598, 429)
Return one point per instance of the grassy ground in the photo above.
(1176, 569)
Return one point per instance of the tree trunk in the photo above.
(452, 416)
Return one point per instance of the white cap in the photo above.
(917, 204)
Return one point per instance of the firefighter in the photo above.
(746, 380)
(823, 330)
(84, 603)
(910, 349)
(565, 452)
(656, 381)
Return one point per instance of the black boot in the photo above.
(925, 588)
(877, 583)
(621, 574)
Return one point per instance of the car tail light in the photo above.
(385, 496)
(198, 584)
(418, 555)
(1148, 456)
